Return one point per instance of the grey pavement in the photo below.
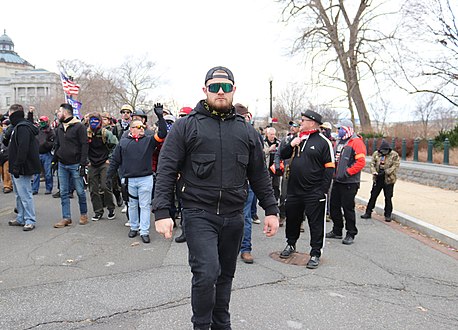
(93, 277)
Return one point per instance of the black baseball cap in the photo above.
(313, 116)
(219, 72)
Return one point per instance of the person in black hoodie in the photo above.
(101, 144)
(134, 157)
(24, 162)
(214, 151)
(71, 149)
(46, 142)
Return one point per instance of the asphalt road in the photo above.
(95, 277)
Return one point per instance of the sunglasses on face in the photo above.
(139, 126)
(305, 119)
(214, 88)
(123, 112)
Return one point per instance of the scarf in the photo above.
(222, 115)
(304, 135)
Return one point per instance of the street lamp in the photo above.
(270, 88)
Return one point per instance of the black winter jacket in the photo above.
(46, 139)
(214, 157)
(23, 153)
(134, 157)
(71, 144)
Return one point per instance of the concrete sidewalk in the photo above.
(430, 210)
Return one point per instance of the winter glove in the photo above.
(15, 172)
(82, 170)
(159, 110)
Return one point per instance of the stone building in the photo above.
(21, 82)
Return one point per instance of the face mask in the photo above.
(384, 151)
(342, 132)
(94, 123)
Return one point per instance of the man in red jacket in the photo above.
(350, 155)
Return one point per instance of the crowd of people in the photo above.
(210, 167)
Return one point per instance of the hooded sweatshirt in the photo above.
(23, 152)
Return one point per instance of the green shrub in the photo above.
(451, 135)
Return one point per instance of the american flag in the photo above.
(70, 88)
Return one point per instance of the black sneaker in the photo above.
(313, 262)
(111, 214)
(132, 233)
(287, 251)
(388, 219)
(331, 234)
(56, 195)
(348, 240)
(366, 216)
(97, 217)
(181, 238)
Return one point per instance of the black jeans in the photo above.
(314, 208)
(377, 187)
(213, 243)
(343, 197)
(97, 182)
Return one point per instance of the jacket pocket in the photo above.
(203, 164)
(241, 168)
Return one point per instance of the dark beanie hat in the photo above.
(241, 109)
(384, 145)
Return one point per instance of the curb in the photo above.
(426, 228)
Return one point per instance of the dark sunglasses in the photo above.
(125, 112)
(139, 126)
(214, 88)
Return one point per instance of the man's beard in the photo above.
(219, 106)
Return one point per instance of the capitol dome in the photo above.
(7, 53)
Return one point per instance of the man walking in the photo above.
(214, 151)
(71, 151)
(101, 144)
(310, 174)
(24, 162)
(134, 156)
(384, 166)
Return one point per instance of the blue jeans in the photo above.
(254, 206)
(246, 242)
(24, 200)
(214, 244)
(46, 160)
(140, 188)
(67, 173)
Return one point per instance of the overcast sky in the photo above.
(184, 38)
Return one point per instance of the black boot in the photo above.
(366, 216)
(181, 238)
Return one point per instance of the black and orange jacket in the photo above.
(351, 161)
(311, 167)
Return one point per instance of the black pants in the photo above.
(377, 187)
(214, 244)
(314, 209)
(343, 197)
(275, 179)
(97, 183)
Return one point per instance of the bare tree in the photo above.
(291, 101)
(433, 70)
(137, 77)
(424, 112)
(346, 29)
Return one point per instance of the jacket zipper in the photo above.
(221, 171)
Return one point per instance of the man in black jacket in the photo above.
(134, 156)
(71, 152)
(46, 138)
(214, 151)
(24, 162)
(310, 174)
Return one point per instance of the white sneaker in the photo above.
(127, 224)
(257, 221)
(124, 209)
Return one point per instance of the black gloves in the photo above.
(15, 171)
(82, 170)
(159, 110)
